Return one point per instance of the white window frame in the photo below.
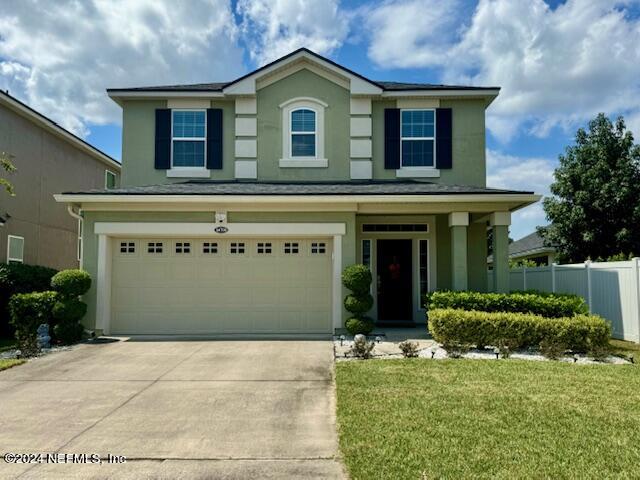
(106, 179)
(9, 258)
(422, 170)
(181, 171)
(290, 106)
(293, 132)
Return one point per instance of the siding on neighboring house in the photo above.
(46, 164)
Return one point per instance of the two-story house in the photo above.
(34, 229)
(242, 202)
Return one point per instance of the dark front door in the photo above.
(394, 281)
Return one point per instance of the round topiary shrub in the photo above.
(358, 304)
(357, 278)
(71, 310)
(71, 283)
(363, 325)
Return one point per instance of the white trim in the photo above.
(432, 138)
(14, 259)
(103, 285)
(360, 148)
(500, 218)
(459, 219)
(442, 93)
(418, 172)
(178, 229)
(361, 169)
(246, 169)
(360, 126)
(247, 86)
(189, 139)
(337, 281)
(290, 106)
(303, 100)
(188, 103)
(246, 106)
(298, 199)
(188, 172)
(79, 246)
(246, 148)
(246, 127)
(108, 172)
(360, 106)
(303, 162)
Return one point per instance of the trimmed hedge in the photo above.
(357, 278)
(580, 333)
(20, 278)
(28, 312)
(538, 303)
(71, 283)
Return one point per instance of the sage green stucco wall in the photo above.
(90, 240)
(469, 164)
(303, 83)
(138, 143)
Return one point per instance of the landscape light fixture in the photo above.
(496, 351)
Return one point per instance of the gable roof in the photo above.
(528, 245)
(366, 85)
(46, 123)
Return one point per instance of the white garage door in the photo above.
(213, 286)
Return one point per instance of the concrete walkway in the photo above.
(175, 409)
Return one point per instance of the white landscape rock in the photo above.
(432, 350)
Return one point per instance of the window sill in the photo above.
(418, 172)
(188, 172)
(304, 163)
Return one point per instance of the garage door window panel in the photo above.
(291, 248)
(183, 248)
(237, 248)
(209, 248)
(127, 247)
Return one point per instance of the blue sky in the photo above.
(558, 63)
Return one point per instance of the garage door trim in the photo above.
(107, 230)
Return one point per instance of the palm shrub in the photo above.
(357, 278)
(68, 310)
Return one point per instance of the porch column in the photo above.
(458, 222)
(500, 222)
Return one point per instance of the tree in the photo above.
(595, 207)
(8, 167)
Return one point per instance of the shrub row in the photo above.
(20, 278)
(580, 333)
(538, 303)
(61, 309)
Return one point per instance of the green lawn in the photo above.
(488, 419)
(625, 349)
(8, 363)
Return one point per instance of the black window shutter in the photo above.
(214, 138)
(163, 139)
(444, 149)
(392, 138)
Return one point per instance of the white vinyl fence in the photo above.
(611, 289)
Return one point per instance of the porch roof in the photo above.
(240, 187)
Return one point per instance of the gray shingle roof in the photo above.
(214, 187)
(218, 86)
(533, 241)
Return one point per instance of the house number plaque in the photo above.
(221, 229)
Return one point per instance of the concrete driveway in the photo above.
(175, 409)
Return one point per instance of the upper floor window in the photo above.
(417, 142)
(109, 179)
(189, 134)
(15, 249)
(303, 133)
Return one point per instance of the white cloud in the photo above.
(521, 173)
(272, 29)
(558, 67)
(60, 56)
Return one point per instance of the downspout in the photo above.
(72, 213)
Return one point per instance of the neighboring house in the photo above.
(242, 202)
(531, 248)
(35, 228)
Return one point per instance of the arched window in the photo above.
(303, 133)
